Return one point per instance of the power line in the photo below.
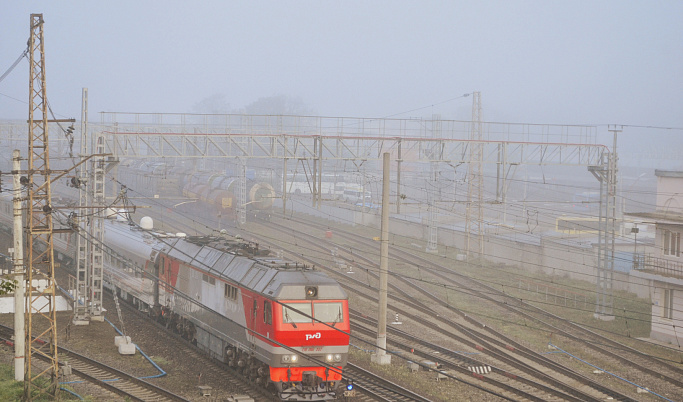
(16, 63)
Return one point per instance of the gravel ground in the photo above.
(184, 373)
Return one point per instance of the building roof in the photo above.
(669, 173)
(658, 217)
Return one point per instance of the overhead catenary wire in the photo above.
(114, 255)
(513, 323)
(15, 64)
(502, 244)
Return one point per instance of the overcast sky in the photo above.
(569, 62)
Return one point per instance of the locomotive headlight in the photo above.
(311, 292)
(289, 358)
(329, 358)
(337, 357)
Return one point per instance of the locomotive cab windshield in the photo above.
(315, 312)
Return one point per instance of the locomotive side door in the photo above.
(254, 316)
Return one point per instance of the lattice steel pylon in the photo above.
(606, 173)
(474, 221)
(242, 194)
(81, 316)
(432, 186)
(41, 322)
(97, 230)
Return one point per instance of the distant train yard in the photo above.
(501, 352)
(285, 303)
(267, 271)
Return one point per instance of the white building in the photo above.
(662, 271)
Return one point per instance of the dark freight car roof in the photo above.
(273, 277)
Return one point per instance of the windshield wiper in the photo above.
(337, 318)
(288, 318)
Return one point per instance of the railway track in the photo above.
(499, 387)
(372, 386)
(380, 388)
(661, 372)
(627, 356)
(111, 380)
(241, 384)
(457, 364)
(529, 363)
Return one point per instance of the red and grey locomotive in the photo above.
(281, 323)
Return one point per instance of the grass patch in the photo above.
(160, 361)
(10, 390)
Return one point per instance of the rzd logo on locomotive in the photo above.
(313, 336)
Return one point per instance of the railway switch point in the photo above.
(412, 366)
(430, 364)
(397, 321)
(205, 390)
(240, 398)
(66, 370)
(443, 375)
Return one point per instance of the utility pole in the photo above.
(606, 173)
(320, 171)
(474, 221)
(432, 184)
(96, 272)
(18, 259)
(284, 182)
(83, 246)
(314, 173)
(398, 179)
(242, 193)
(381, 356)
(41, 327)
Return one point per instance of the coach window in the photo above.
(255, 308)
(267, 313)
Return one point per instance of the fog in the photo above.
(574, 62)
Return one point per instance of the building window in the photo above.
(668, 311)
(671, 242)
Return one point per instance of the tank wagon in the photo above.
(220, 191)
(216, 193)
